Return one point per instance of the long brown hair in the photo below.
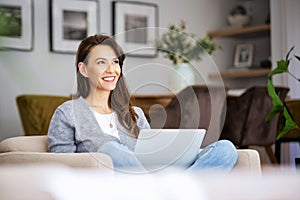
(119, 98)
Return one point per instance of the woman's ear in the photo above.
(82, 69)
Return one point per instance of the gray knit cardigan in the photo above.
(73, 128)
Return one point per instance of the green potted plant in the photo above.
(278, 106)
(182, 48)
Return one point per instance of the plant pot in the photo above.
(181, 76)
(238, 20)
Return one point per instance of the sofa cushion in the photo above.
(76, 160)
(25, 144)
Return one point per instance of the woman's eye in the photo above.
(101, 62)
(115, 62)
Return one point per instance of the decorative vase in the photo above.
(238, 20)
(182, 75)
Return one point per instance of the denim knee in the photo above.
(219, 155)
(229, 150)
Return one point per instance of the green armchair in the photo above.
(36, 111)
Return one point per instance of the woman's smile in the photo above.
(109, 78)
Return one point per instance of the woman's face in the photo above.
(103, 69)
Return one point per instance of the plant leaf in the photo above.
(288, 54)
(298, 57)
(282, 66)
(289, 124)
(277, 104)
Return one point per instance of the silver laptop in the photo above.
(163, 148)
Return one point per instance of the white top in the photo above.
(107, 123)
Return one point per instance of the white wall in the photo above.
(43, 72)
(293, 39)
(37, 71)
(285, 34)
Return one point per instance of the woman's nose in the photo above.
(109, 68)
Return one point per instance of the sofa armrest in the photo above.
(248, 161)
(75, 160)
(25, 144)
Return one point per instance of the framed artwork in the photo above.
(135, 27)
(16, 25)
(243, 56)
(71, 21)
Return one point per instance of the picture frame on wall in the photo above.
(135, 27)
(16, 25)
(243, 56)
(70, 22)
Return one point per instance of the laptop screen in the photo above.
(160, 148)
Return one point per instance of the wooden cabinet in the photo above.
(245, 35)
(145, 101)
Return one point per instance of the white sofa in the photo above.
(34, 149)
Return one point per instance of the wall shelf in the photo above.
(244, 32)
(247, 32)
(245, 73)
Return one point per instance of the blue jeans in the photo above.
(123, 159)
(220, 155)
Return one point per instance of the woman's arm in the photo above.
(61, 133)
(142, 120)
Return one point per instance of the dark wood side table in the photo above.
(145, 101)
(293, 135)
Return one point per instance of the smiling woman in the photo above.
(103, 94)
(103, 119)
